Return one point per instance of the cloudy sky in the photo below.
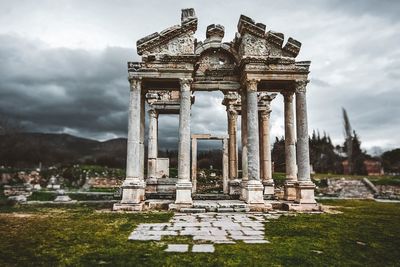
(63, 63)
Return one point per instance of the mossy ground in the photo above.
(367, 233)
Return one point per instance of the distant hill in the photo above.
(30, 149)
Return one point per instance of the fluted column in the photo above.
(142, 129)
(225, 164)
(133, 186)
(194, 165)
(184, 186)
(244, 144)
(290, 146)
(266, 178)
(304, 187)
(265, 144)
(232, 130)
(254, 185)
(152, 143)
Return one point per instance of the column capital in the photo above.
(232, 112)
(301, 85)
(185, 82)
(288, 95)
(264, 100)
(265, 114)
(153, 113)
(251, 84)
(135, 83)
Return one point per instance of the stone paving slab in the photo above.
(177, 248)
(203, 248)
(217, 228)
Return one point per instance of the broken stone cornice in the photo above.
(292, 47)
(247, 24)
(188, 23)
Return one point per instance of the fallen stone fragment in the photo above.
(177, 248)
(203, 248)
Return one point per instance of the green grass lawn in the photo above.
(367, 233)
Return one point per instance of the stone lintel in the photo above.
(209, 137)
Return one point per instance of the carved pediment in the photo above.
(174, 40)
(252, 41)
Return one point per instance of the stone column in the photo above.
(142, 129)
(225, 166)
(267, 180)
(133, 186)
(244, 144)
(184, 186)
(254, 186)
(194, 165)
(152, 144)
(304, 187)
(232, 129)
(290, 147)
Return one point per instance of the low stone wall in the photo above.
(389, 191)
(344, 188)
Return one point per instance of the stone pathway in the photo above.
(216, 228)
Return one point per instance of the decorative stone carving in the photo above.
(301, 85)
(251, 85)
(253, 46)
(216, 63)
(184, 44)
(173, 40)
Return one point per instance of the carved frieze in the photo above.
(215, 63)
(183, 44)
(162, 97)
(253, 46)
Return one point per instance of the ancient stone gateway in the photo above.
(225, 162)
(249, 71)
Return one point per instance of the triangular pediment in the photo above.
(175, 40)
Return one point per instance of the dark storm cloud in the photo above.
(64, 90)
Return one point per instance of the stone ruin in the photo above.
(250, 71)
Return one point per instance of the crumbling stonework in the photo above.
(246, 70)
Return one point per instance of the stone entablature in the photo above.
(250, 71)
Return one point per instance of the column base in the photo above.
(133, 191)
(151, 185)
(235, 187)
(254, 194)
(184, 193)
(243, 190)
(305, 193)
(289, 191)
(128, 207)
(301, 207)
(269, 189)
(132, 195)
